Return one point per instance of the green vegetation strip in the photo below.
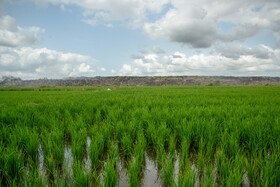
(88, 136)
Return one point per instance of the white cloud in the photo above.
(260, 60)
(182, 27)
(235, 51)
(44, 62)
(240, 33)
(194, 22)
(12, 35)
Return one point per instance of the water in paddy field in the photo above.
(151, 175)
(150, 171)
(42, 169)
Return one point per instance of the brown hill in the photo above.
(142, 81)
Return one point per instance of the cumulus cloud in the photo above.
(235, 51)
(195, 22)
(240, 33)
(28, 63)
(180, 26)
(12, 35)
(253, 62)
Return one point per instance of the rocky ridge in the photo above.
(143, 81)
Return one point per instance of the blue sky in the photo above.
(70, 38)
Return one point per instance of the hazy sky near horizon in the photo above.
(71, 38)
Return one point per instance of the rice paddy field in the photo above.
(140, 136)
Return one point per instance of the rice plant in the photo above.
(126, 143)
(167, 173)
(78, 144)
(110, 174)
(81, 176)
(14, 164)
(96, 149)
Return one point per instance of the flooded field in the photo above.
(141, 136)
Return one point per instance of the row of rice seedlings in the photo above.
(187, 175)
(230, 171)
(14, 164)
(110, 173)
(96, 150)
(167, 170)
(271, 167)
(34, 179)
(78, 144)
(81, 176)
(2, 163)
(134, 170)
(53, 143)
(126, 143)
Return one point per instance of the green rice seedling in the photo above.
(113, 153)
(253, 166)
(201, 161)
(81, 176)
(110, 175)
(270, 170)
(172, 145)
(120, 130)
(151, 134)
(46, 144)
(160, 153)
(62, 182)
(5, 133)
(210, 176)
(93, 131)
(135, 164)
(58, 154)
(185, 145)
(167, 173)
(53, 143)
(236, 175)
(2, 163)
(187, 177)
(96, 149)
(50, 165)
(126, 143)
(21, 134)
(14, 164)
(140, 146)
(223, 168)
(163, 133)
(78, 144)
(106, 131)
(133, 171)
(230, 171)
(32, 148)
(34, 179)
(132, 130)
(233, 146)
(210, 147)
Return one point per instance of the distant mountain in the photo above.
(141, 81)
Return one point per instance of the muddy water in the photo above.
(151, 173)
(42, 169)
(123, 177)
